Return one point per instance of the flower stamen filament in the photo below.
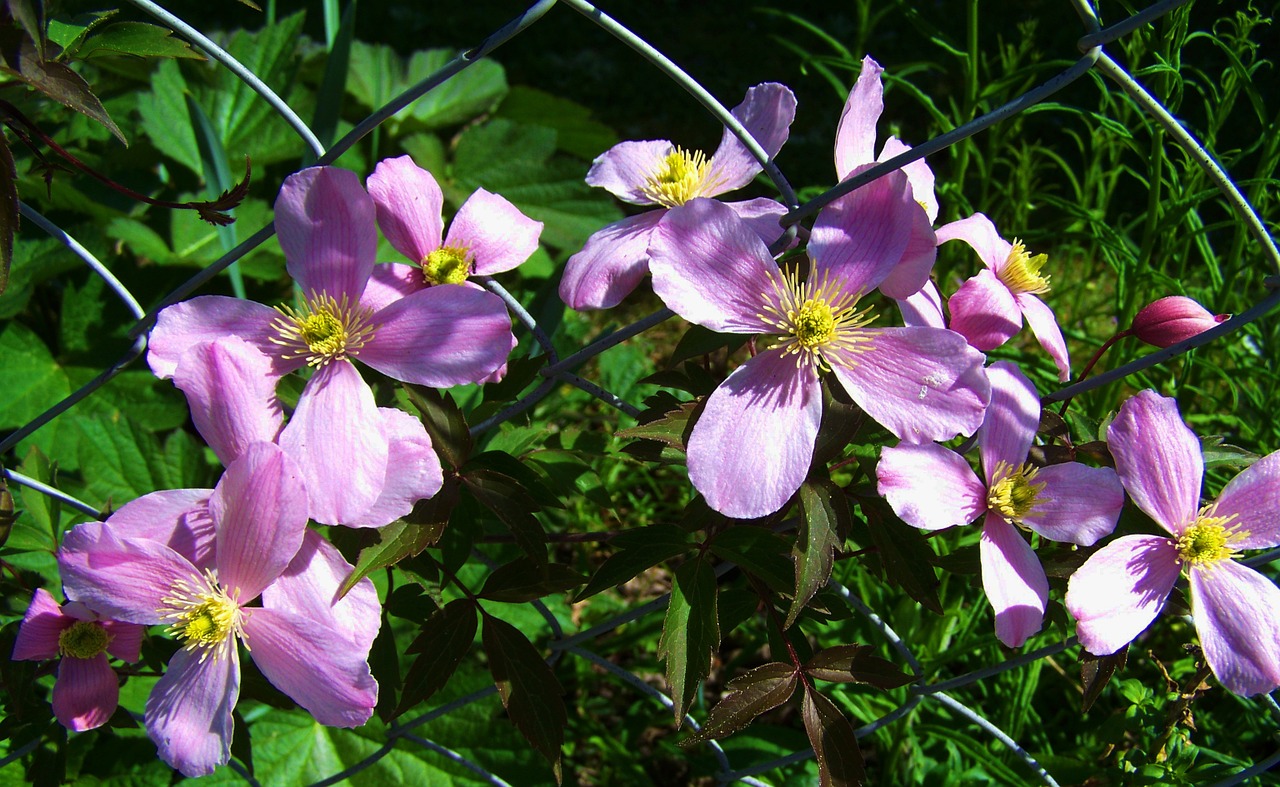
(814, 317)
(1021, 271)
(1014, 494)
(679, 177)
(324, 330)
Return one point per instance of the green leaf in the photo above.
(528, 688)
(68, 33)
(639, 550)
(137, 39)
(855, 664)
(396, 541)
(444, 422)
(1218, 452)
(672, 429)
(757, 550)
(523, 580)
(565, 469)
(33, 380)
(834, 745)
(378, 74)
(762, 689)
(444, 641)
(904, 554)
(690, 632)
(576, 132)
(166, 119)
(122, 461)
(824, 516)
(530, 481)
(9, 216)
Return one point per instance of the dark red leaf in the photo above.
(528, 688)
(762, 689)
(833, 741)
(444, 641)
(855, 664)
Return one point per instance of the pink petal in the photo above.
(390, 282)
(413, 470)
(409, 203)
(611, 264)
(856, 134)
(918, 173)
(309, 588)
(912, 270)
(712, 269)
(923, 309)
(981, 235)
(44, 622)
(1011, 421)
(442, 336)
(919, 383)
(766, 112)
(232, 395)
(177, 518)
(1045, 326)
(496, 233)
(1014, 581)
(859, 239)
(751, 447)
(1235, 612)
(86, 693)
(1158, 459)
(124, 579)
(762, 216)
(317, 668)
(929, 486)
(126, 639)
(210, 318)
(1253, 498)
(1081, 504)
(326, 223)
(188, 713)
(1120, 589)
(342, 460)
(625, 168)
(985, 312)
(260, 507)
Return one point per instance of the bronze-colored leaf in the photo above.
(834, 744)
(444, 641)
(760, 690)
(528, 688)
(1096, 672)
(856, 664)
(58, 82)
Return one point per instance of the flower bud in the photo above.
(1173, 319)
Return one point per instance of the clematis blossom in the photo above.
(196, 560)
(752, 446)
(1122, 587)
(440, 336)
(656, 172)
(1172, 319)
(932, 487)
(988, 308)
(87, 691)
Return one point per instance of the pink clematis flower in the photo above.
(1121, 588)
(932, 487)
(440, 336)
(195, 560)
(751, 448)
(656, 172)
(988, 308)
(87, 691)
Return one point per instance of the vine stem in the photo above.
(1093, 362)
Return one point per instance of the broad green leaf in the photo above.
(68, 33)
(1218, 452)
(523, 580)
(762, 689)
(690, 632)
(528, 688)
(378, 74)
(247, 124)
(639, 550)
(166, 119)
(444, 641)
(398, 540)
(444, 422)
(757, 550)
(698, 341)
(137, 39)
(122, 461)
(565, 470)
(37, 524)
(576, 132)
(8, 211)
(834, 744)
(81, 318)
(33, 380)
(824, 516)
(855, 664)
(671, 429)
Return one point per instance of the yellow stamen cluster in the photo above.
(446, 265)
(815, 316)
(1021, 271)
(1208, 540)
(1015, 494)
(323, 330)
(679, 177)
(83, 639)
(205, 616)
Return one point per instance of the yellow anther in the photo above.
(815, 316)
(83, 639)
(446, 265)
(205, 617)
(680, 177)
(323, 330)
(1015, 495)
(1207, 541)
(1021, 271)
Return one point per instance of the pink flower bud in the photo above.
(1173, 319)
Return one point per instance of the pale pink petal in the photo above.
(1253, 498)
(232, 395)
(859, 239)
(86, 693)
(260, 507)
(762, 216)
(124, 579)
(920, 383)
(177, 518)
(981, 235)
(923, 309)
(413, 470)
(327, 228)
(1235, 612)
(984, 311)
(442, 336)
(389, 282)
(913, 269)
(342, 460)
(1014, 581)
(126, 639)
(409, 204)
(207, 319)
(1011, 421)
(1045, 326)
(188, 713)
(751, 447)
(1158, 459)
(711, 269)
(624, 169)
(611, 264)
(318, 669)
(1120, 589)
(918, 173)
(1080, 504)
(44, 622)
(766, 113)
(309, 587)
(929, 486)
(856, 133)
(496, 233)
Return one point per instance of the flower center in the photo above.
(83, 639)
(1014, 495)
(813, 317)
(204, 616)
(814, 323)
(1208, 540)
(1021, 271)
(323, 330)
(680, 177)
(446, 265)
